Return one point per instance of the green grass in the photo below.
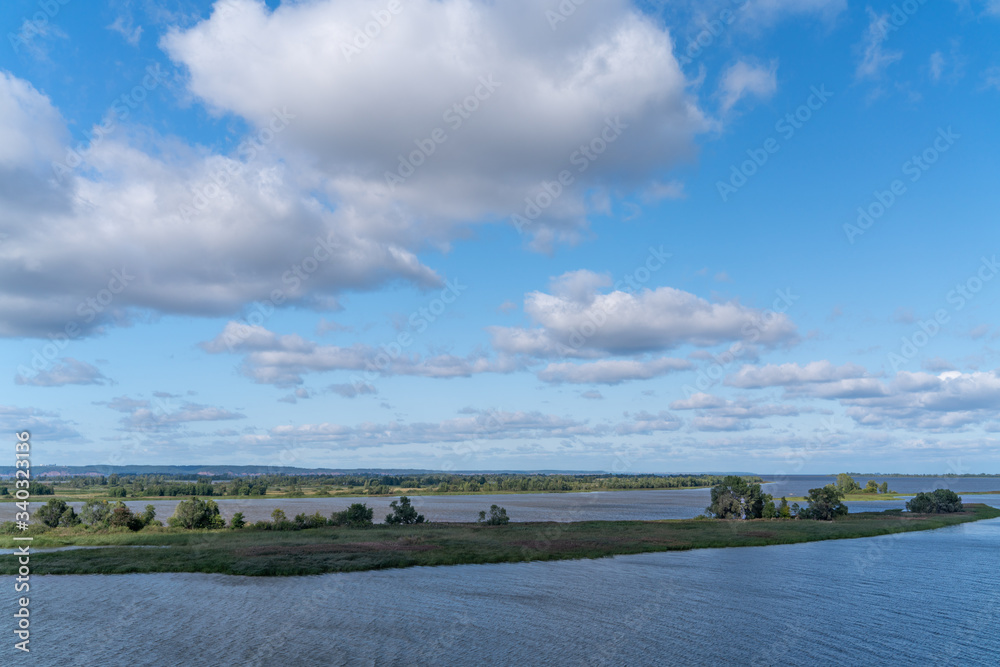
(321, 550)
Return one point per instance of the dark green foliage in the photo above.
(403, 513)
(148, 516)
(784, 512)
(39, 489)
(846, 484)
(95, 513)
(737, 498)
(498, 517)
(237, 521)
(4, 491)
(884, 488)
(69, 518)
(935, 502)
(197, 513)
(51, 512)
(825, 504)
(122, 517)
(302, 522)
(770, 510)
(358, 515)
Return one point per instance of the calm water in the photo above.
(604, 506)
(930, 598)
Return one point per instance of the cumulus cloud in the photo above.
(920, 400)
(576, 320)
(302, 210)
(66, 371)
(87, 246)
(550, 93)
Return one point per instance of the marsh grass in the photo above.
(329, 549)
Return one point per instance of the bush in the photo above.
(51, 512)
(498, 517)
(122, 517)
(935, 502)
(197, 513)
(358, 515)
(237, 521)
(403, 513)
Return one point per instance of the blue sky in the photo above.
(637, 237)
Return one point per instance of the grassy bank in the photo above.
(321, 550)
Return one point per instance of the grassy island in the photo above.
(342, 549)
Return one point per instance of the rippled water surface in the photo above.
(929, 598)
(603, 506)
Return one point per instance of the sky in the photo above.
(724, 235)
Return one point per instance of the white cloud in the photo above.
(754, 377)
(744, 79)
(43, 426)
(283, 360)
(575, 320)
(555, 92)
(611, 371)
(875, 59)
(65, 371)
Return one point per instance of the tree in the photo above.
(783, 510)
(884, 488)
(122, 517)
(736, 498)
(197, 513)
(403, 513)
(358, 515)
(237, 521)
(96, 513)
(50, 512)
(770, 510)
(69, 518)
(846, 484)
(498, 517)
(936, 502)
(825, 504)
(148, 515)
(871, 487)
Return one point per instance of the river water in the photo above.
(928, 598)
(910, 599)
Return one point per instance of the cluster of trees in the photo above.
(935, 502)
(742, 499)
(847, 484)
(34, 489)
(96, 514)
(498, 517)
